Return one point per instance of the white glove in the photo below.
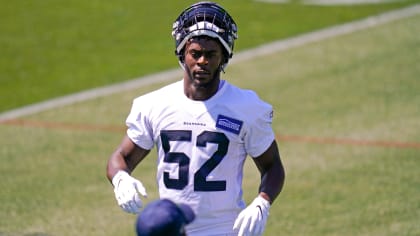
(251, 221)
(127, 190)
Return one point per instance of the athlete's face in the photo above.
(203, 60)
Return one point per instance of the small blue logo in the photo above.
(229, 124)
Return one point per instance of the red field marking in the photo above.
(285, 138)
(69, 126)
(347, 141)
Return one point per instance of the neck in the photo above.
(200, 92)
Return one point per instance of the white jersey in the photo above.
(202, 146)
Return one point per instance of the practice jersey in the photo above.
(202, 146)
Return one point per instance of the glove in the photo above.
(251, 221)
(127, 190)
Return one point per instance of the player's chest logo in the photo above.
(229, 124)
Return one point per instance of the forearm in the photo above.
(272, 183)
(115, 163)
(125, 157)
(272, 173)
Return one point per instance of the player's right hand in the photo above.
(127, 190)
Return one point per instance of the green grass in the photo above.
(362, 86)
(52, 48)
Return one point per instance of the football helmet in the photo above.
(204, 19)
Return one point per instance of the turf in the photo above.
(362, 86)
(53, 48)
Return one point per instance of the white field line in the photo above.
(173, 74)
(345, 2)
(331, 2)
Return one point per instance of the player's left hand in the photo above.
(251, 221)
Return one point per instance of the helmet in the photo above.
(204, 19)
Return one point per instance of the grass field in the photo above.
(51, 48)
(347, 119)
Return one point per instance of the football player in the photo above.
(203, 128)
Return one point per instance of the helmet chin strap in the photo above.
(222, 68)
(182, 64)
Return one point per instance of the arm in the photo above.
(126, 188)
(252, 220)
(272, 173)
(125, 158)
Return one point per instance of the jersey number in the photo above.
(200, 181)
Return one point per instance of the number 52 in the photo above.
(200, 181)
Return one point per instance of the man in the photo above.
(203, 128)
(164, 217)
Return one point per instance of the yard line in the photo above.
(173, 74)
(323, 34)
(331, 2)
